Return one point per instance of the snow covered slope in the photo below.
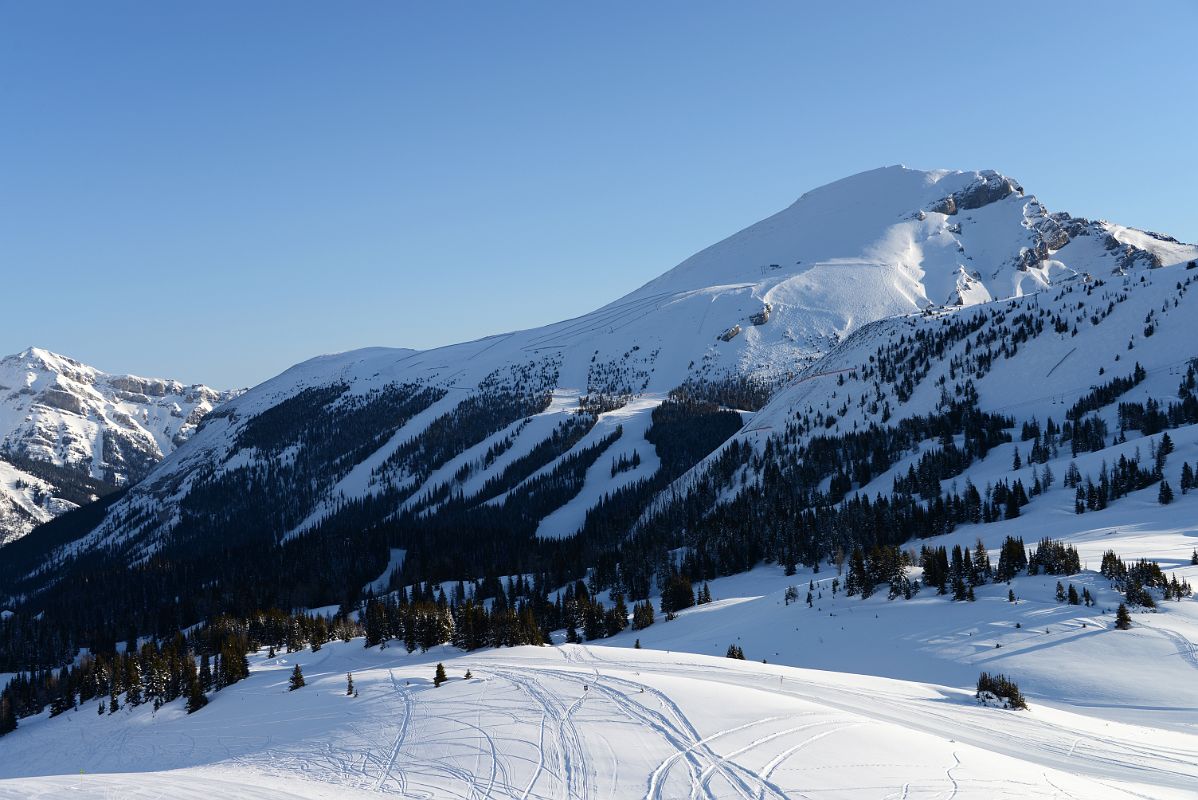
(69, 432)
(552, 420)
(589, 722)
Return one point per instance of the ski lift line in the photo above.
(595, 324)
(619, 321)
(498, 339)
(1059, 363)
(1077, 391)
(813, 376)
(598, 318)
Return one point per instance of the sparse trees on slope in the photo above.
(297, 679)
(1123, 617)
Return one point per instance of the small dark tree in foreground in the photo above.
(8, 716)
(349, 684)
(1000, 687)
(734, 651)
(297, 679)
(1123, 617)
(196, 699)
(440, 677)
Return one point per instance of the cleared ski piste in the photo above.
(586, 721)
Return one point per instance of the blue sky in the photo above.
(214, 191)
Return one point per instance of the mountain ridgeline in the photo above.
(824, 383)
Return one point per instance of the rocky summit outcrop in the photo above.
(990, 187)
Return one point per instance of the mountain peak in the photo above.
(70, 433)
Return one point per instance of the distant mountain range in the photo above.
(70, 433)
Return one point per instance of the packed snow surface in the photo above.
(580, 721)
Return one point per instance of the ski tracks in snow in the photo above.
(397, 745)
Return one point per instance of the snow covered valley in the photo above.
(1112, 713)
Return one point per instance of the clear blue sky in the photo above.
(214, 191)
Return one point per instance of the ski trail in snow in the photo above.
(393, 756)
(948, 773)
(1185, 648)
(673, 725)
(779, 759)
(573, 766)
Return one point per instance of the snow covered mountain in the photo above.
(803, 422)
(557, 418)
(69, 433)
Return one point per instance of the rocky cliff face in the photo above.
(70, 433)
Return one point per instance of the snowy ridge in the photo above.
(765, 303)
(102, 431)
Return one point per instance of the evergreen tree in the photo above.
(297, 679)
(196, 699)
(349, 684)
(1165, 496)
(439, 677)
(205, 673)
(734, 651)
(8, 716)
(1001, 686)
(1073, 597)
(1123, 617)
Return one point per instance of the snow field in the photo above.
(579, 721)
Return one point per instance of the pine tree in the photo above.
(469, 675)
(1060, 592)
(1073, 597)
(1123, 617)
(1010, 595)
(297, 679)
(8, 716)
(1165, 496)
(735, 652)
(440, 677)
(349, 684)
(205, 673)
(196, 699)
